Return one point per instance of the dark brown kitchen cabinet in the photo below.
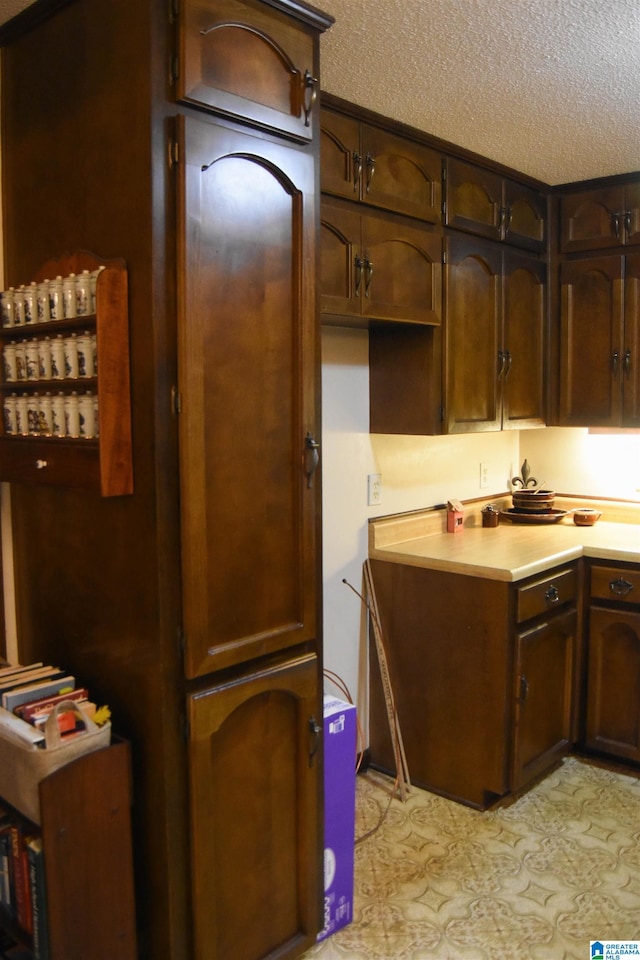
(208, 576)
(253, 761)
(613, 688)
(251, 60)
(600, 217)
(599, 375)
(483, 202)
(247, 209)
(476, 666)
(365, 163)
(495, 319)
(377, 266)
(545, 652)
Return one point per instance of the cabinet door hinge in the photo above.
(173, 153)
(174, 70)
(176, 401)
(173, 11)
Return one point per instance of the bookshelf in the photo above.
(85, 830)
(103, 462)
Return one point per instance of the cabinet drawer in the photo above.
(246, 59)
(546, 593)
(621, 584)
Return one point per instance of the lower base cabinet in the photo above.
(482, 673)
(543, 695)
(613, 685)
(253, 769)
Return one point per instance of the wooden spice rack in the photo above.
(105, 463)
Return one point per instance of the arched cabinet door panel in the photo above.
(482, 202)
(375, 266)
(247, 423)
(253, 775)
(473, 294)
(366, 163)
(249, 60)
(600, 218)
(522, 379)
(591, 342)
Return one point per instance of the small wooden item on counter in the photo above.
(455, 516)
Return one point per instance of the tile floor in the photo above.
(535, 878)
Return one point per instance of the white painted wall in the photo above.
(419, 472)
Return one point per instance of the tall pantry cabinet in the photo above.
(182, 138)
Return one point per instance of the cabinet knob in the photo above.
(552, 595)
(41, 464)
(620, 587)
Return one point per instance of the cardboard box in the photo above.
(339, 813)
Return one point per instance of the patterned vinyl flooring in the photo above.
(534, 878)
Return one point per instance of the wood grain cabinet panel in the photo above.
(365, 163)
(377, 267)
(600, 218)
(253, 778)
(485, 700)
(482, 202)
(247, 59)
(247, 345)
(543, 695)
(495, 321)
(613, 649)
(613, 697)
(600, 342)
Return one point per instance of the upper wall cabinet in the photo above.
(246, 59)
(494, 338)
(600, 342)
(376, 266)
(484, 203)
(362, 162)
(600, 218)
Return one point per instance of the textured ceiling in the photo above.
(550, 87)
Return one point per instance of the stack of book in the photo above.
(28, 694)
(22, 888)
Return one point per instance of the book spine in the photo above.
(5, 869)
(39, 899)
(28, 710)
(22, 890)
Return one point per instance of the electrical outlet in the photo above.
(484, 475)
(374, 489)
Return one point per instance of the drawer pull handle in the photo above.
(552, 595)
(620, 587)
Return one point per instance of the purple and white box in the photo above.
(339, 813)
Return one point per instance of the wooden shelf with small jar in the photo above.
(92, 449)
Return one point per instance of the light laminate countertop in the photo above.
(509, 551)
